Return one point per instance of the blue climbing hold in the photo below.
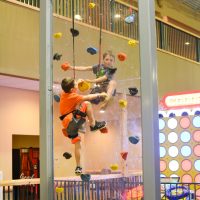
(130, 19)
(85, 177)
(134, 139)
(92, 50)
(56, 98)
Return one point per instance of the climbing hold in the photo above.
(121, 56)
(114, 167)
(130, 19)
(67, 155)
(85, 177)
(84, 86)
(133, 91)
(91, 5)
(65, 66)
(124, 155)
(92, 50)
(134, 139)
(104, 130)
(56, 98)
(122, 103)
(132, 43)
(74, 32)
(59, 190)
(57, 56)
(57, 35)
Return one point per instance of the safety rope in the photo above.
(73, 35)
(100, 32)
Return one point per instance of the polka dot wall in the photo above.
(180, 146)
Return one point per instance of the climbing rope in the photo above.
(73, 35)
(100, 31)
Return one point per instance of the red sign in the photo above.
(181, 100)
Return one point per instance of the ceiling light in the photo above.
(117, 16)
(77, 17)
(187, 43)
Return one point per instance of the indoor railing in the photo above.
(169, 38)
(106, 188)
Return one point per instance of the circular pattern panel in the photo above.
(173, 165)
(184, 122)
(162, 138)
(196, 121)
(172, 137)
(173, 151)
(161, 124)
(186, 151)
(172, 123)
(186, 165)
(196, 136)
(185, 136)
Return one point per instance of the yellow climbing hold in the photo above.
(132, 43)
(92, 5)
(122, 103)
(84, 86)
(114, 167)
(59, 189)
(57, 35)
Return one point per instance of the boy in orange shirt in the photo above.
(73, 109)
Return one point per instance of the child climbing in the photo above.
(104, 77)
(73, 109)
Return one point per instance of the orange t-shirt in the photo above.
(69, 102)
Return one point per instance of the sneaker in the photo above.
(98, 125)
(78, 170)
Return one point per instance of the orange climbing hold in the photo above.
(104, 130)
(121, 56)
(65, 66)
(124, 155)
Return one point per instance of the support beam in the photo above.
(150, 131)
(46, 108)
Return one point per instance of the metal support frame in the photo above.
(46, 108)
(150, 131)
(198, 49)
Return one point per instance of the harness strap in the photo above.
(74, 112)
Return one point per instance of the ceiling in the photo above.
(194, 4)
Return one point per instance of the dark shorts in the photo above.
(100, 89)
(75, 121)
